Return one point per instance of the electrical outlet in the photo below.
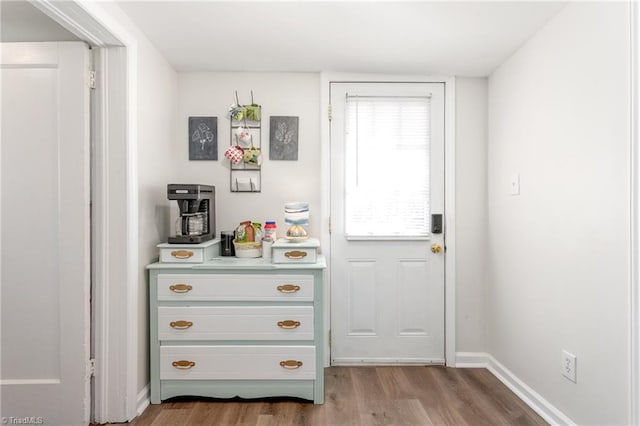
(569, 364)
(515, 184)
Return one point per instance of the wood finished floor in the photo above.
(404, 395)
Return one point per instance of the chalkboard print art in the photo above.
(203, 138)
(283, 138)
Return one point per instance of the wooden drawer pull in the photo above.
(183, 364)
(295, 254)
(288, 324)
(181, 288)
(182, 254)
(180, 325)
(288, 288)
(291, 364)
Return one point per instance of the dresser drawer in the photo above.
(235, 323)
(230, 287)
(284, 255)
(173, 255)
(237, 362)
(189, 253)
(284, 251)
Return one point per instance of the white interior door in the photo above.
(387, 179)
(45, 233)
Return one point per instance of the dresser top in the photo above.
(189, 246)
(286, 244)
(240, 264)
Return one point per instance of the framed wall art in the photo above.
(283, 138)
(203, 138)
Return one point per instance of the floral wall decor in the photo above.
(283, 138)
(203, 138)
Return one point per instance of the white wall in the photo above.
(559, 253)
(471, 212)
(294, 94)
(21, 21)
(298, 94)
(157, 109)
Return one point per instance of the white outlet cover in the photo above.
(569, 366)
(515, 184)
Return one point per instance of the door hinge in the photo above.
(92, 79)
(91, 368)
(330, 112)
(329, 225)
(329, 338)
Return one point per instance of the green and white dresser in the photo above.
(236, 327)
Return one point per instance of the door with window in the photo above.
(387, 231)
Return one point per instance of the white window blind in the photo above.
(387, 167)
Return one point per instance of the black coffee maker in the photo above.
(196, 222)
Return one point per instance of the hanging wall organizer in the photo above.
(245, 152)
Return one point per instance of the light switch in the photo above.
(515, 184)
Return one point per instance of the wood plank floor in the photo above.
(404, 395)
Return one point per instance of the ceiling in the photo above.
(414, 37)
(20, 21)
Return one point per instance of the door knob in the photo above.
(436, 248)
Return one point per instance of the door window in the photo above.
(387, 167)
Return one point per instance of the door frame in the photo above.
(449, 195)
(634, 249)
(114, 207)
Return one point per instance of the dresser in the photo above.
(232, 327)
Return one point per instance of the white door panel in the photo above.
(387, 291)
(45, 232)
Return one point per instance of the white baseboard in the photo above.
(142, 402)
(472, 360)
(354, 362)
(530, 397)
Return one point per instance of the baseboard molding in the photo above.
(143, 401)
(544, 408)
(472, 360)
(355, 362)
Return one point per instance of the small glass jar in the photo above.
(270, 230)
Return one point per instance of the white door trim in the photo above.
(450, 221)
(449, 197)
(111, 345)
(634, 290)
(115, 208)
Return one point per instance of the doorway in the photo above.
(387, 231)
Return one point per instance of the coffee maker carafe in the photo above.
(196, 222)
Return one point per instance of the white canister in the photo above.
(266, 247)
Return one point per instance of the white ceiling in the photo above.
(20, 21)
(448, 38)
